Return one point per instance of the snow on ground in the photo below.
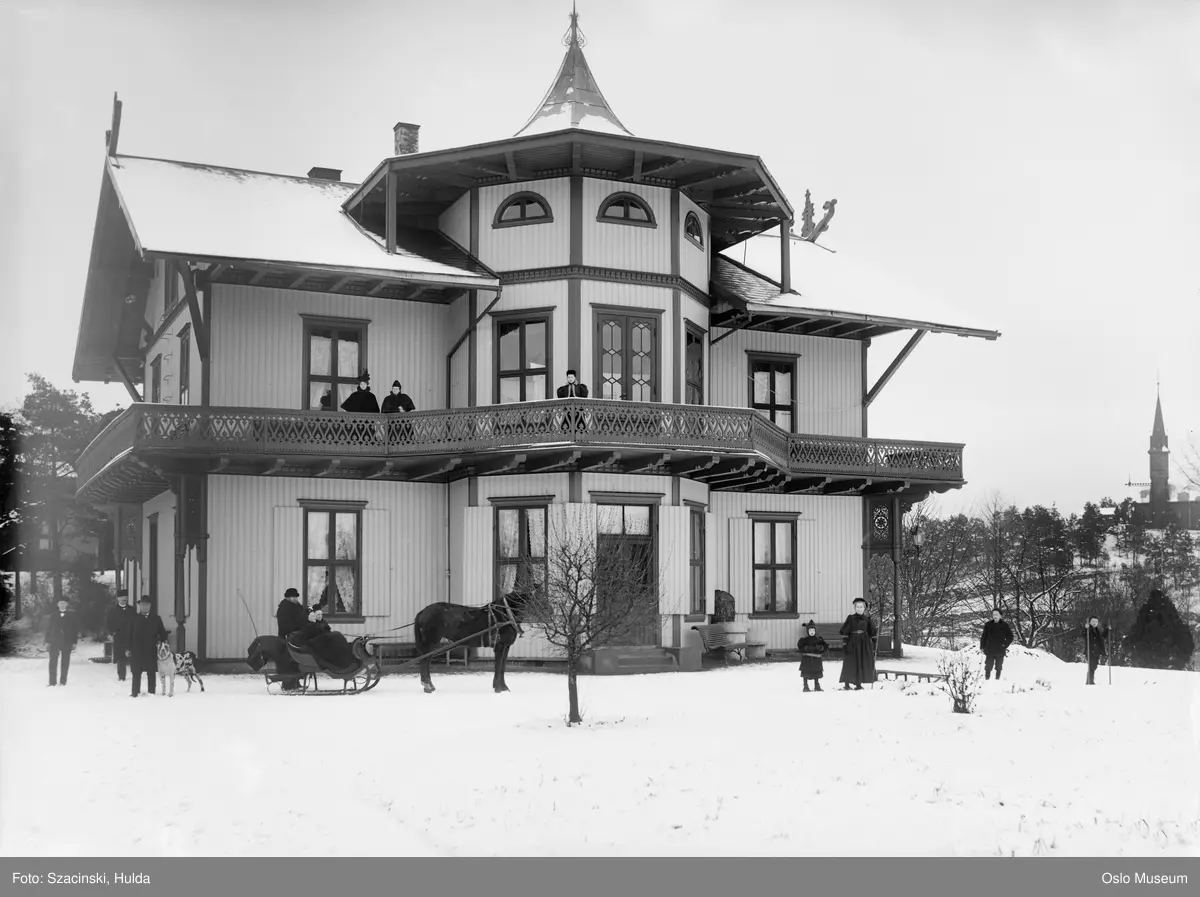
(733, 761)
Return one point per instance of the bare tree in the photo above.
(1190, 465)
(597, 592)
(933, 578)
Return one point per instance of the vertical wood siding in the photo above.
(674, 555)
(457, 496)
(631, 248)
(526, 246)
(155, 296)
(168, 345)
(460, 363)
(711, 553)
(693, 261)
(162, 504)
(455, 222)
(690, 490)
(634, 297)
(828, 378)
(548, 294)
(246, 553)
(258, 345)
(828, 557)
(478, 570)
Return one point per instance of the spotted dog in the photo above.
(171, 665)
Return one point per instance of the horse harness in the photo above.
(498, 619)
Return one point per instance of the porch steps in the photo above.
(624, 660)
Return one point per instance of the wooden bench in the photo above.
(714, 637)
(904, 674)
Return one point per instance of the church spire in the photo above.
(1158, 437)
(574, 99)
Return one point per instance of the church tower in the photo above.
(1160, 493)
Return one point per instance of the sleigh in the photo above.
(360, 676)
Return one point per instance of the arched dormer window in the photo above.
(523, 208)
(693, 230)
(626, 208)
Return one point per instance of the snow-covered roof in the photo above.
(574, 99)
(207, 212)
(843, 285)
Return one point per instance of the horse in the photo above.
(453, 622)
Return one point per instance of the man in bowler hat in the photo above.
(118, 619)
(61, 636)
(141, 645)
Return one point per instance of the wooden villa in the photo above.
(726, 433)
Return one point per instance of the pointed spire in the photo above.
(574, 99)
(1158, 437)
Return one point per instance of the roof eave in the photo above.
(879, 320)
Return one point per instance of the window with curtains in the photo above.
(774, 566)
(520, 549)
(332, 565)
(335, 353)
(522, 359)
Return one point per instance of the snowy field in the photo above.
(730, 762)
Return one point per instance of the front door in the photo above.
(627, 357)
(625, 554)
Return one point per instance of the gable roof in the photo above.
(206, 212)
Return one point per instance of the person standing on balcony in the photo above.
(997, 636)
(362, 400)
(399, 432)
(572, 389)
(118, 619)
(858, 639)
(397, 400)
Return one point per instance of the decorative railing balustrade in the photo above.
(274, 433)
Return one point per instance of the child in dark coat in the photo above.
(812, 649)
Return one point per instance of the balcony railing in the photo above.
(696, 428)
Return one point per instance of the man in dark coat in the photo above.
(997, 636)
(118, 619)
(1094, 638)
(291, 616)
(141, 645)
(362, 399)
(397, 400)
(61, 635)
(572, 389)
(812, 649)
(858, 640)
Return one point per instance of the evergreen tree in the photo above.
(1159, 638)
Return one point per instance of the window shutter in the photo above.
(479, 556)
(710, 562)
(376, 563)
(741, 563)
(287, 554)
(674, 553)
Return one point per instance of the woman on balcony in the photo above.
(362, 400)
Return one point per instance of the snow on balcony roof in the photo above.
(842, 284)
(203, 211)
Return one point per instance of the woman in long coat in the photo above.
(327, 644)
(858, 637)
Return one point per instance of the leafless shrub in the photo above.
(963, 682)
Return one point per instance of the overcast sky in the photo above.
(1030, 165)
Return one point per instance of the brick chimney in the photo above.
(406, 138)
(325, 174)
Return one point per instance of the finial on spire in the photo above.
(574, 37)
